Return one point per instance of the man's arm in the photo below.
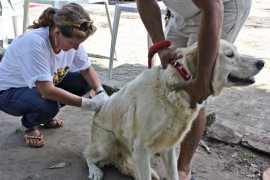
(209, 34)
(151, 16)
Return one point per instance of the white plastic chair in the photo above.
(7, 13)
(56, 4)
(129, 7)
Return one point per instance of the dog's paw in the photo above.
(94, 172)
(154, 175)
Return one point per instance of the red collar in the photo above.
(178, 66)
(180, 69)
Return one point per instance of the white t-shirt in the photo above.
(30, 58)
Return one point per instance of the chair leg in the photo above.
(114, 37)
(109, 20)
(108, 15)
(25, 15)
(5, 31)
(14, 20)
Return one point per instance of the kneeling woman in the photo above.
(46, 68)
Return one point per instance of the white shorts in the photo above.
(184, 32)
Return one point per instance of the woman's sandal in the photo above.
(53, 123)
(33, 141)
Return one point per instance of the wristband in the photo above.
(153, 49)
(99, 90)
(84, 102)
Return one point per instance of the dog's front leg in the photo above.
(170, 163)
(141, 159)
(94, 172)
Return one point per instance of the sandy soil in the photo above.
(225, 162)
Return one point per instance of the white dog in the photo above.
(145, 117)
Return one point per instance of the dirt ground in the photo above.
(65, 145)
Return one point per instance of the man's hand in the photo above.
(95, 103)
(166, 54)
(197, 89)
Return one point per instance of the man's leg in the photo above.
(190, 142)
(235, 15)
(189, 145)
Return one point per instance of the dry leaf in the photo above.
(60, 165)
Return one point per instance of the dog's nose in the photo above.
(260, 64)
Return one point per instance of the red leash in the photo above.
(178, 66)
(153, 50)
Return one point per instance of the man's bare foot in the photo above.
(184, 176)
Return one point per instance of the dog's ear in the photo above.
(220, 68)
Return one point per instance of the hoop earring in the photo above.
(55, 42)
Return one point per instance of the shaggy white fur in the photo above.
(145, 117)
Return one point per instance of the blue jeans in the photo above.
(35, 110)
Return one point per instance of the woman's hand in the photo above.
(95, 103)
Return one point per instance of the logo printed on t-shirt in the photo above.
(59, 75)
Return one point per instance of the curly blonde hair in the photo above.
(71, 19)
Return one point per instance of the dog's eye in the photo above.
(230, 55)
